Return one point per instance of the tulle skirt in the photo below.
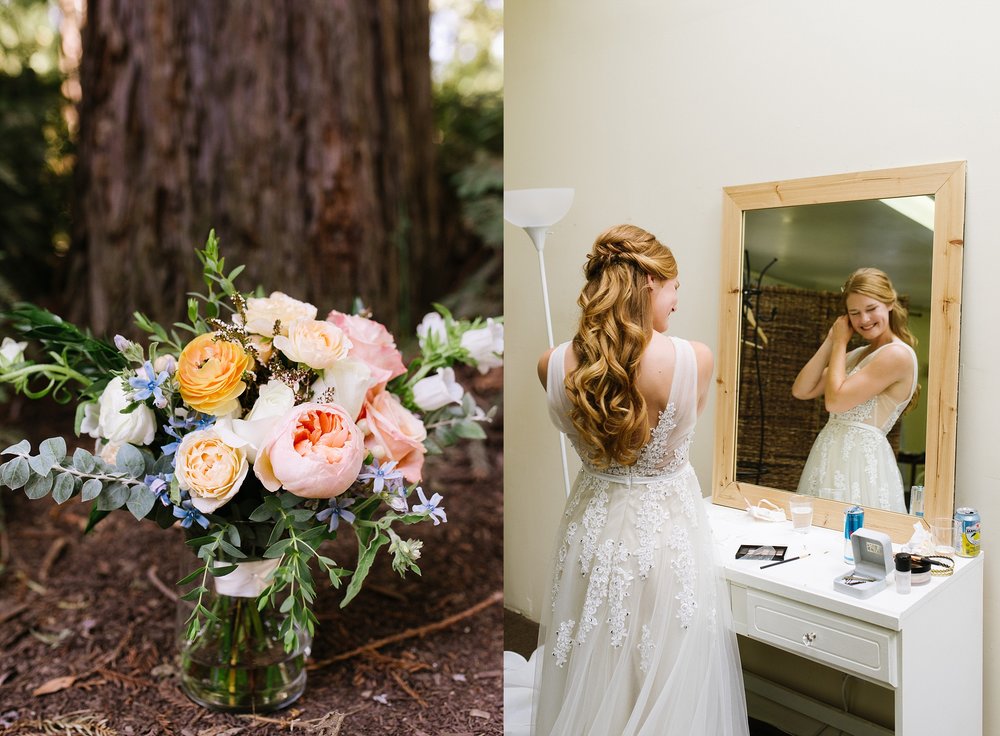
(638, 638)
(854, 463)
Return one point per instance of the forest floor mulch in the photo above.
(92, 618)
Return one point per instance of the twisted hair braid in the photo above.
(616, 324)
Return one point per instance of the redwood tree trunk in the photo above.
(301, 130)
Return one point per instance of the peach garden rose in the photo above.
(209, 469)
(372, 344)
(394, 433)
(210, 374)
(314, 342)
(315, 451)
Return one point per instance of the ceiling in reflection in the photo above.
(819, 245)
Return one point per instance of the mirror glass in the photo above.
(795, 262)
(788, 247)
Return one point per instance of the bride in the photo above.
(636, 638)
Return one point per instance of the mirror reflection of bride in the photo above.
(865, 390)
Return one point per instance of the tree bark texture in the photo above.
(301, 130)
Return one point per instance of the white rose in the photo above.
(485, 345)
(135, 428)
(11, 352)
(274, 401)
(437, 390)
(432, 324)
(350, 380)
(316, 343)
(263, 312)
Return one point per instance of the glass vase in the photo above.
(238, 662)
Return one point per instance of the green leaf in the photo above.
(54, 447)
(200, 541)
(194, 593)
(277, 531)
(20, 472)
(64, 486)
(41, 464)
(131, 461)
(91, 490)
(277, 549)
(38, 486)
(288, 500)
(366, 557)
(21, 448)
(83, 461)
(113, 497)
(231, 550)
(191, 576)
(220, 570)
(234, 534)
(261, 513)
(140, 500)
(286, 605)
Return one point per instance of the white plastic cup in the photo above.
(802, 513)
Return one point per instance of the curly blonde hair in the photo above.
(876, 284)
(616, 324)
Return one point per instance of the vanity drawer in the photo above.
(839, 641)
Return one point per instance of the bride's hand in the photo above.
(841, 330)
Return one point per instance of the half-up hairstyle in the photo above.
(875, 284)
(616, 324)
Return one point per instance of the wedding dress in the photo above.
(637, 637)
(851, 460)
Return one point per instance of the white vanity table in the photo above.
(926, 646)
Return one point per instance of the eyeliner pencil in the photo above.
(782, 562)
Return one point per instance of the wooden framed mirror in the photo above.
(909, 222)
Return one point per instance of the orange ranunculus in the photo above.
(210, 374)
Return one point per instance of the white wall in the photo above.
(649, 108)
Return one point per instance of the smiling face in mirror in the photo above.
(798, 313)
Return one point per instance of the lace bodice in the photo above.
(669, 441)
(880, 411)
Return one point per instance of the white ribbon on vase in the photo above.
(248, 580)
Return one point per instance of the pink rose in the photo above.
(371, 344)
(314, 451)
(393, 433)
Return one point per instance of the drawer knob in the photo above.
(808, 638)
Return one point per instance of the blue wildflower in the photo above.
(188, 515)
(160, 485)
(336, 511)
(382, 475)
(178, 426)
(151, 385)
(431, 507)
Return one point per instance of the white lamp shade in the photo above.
(536, 207)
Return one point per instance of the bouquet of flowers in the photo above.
(263, 431)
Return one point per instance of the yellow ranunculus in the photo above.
(210, 374)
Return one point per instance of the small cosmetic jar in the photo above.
(920, 570)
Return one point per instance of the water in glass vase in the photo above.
(238, 662)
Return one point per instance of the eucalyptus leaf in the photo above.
(83, 461)
(91, 490)
(140, 501)
(21, 448)
(234, 534)
(62, 491)
(261, 513)
(470, 431)
(54, 447)
(38, 486)
(41, 464)
(131, 461)
(113, 497)
(301, 514)
(20, 472)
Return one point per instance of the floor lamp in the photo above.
(535, 210)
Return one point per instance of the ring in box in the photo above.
(872, 562)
